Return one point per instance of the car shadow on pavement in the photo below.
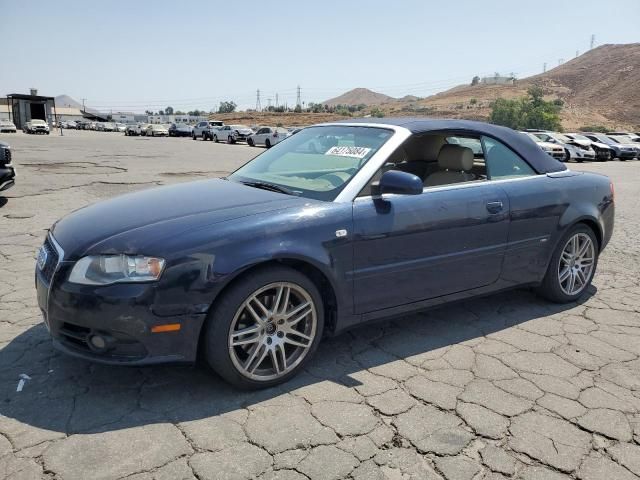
(64, 395)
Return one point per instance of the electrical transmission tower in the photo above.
(258, 106)
(593, 40)
(298, 102)
(276, 100)
(544, 67)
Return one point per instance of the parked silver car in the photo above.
(267, 136)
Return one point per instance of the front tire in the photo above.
(264, 329)
(267, 143)
(572, 266)
(215, 138)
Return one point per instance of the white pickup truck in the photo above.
(205, 129)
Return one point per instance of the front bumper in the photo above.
(121, 314)
(626, 154)
(7, 177)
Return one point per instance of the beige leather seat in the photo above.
(454, 163)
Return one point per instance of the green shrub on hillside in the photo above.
(531, 111)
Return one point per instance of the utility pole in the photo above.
(544, 67)
(258, 106)
(593, 40)
(83, 109)
(298, 102)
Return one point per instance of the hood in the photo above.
(129, 222)
(549, 146)
(244, 131)
(604, 146)
(582, 143)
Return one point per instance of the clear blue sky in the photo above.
(134, 55)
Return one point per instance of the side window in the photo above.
(502, 162)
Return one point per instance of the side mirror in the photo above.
(400, 183)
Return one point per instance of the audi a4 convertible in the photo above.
(337, 225)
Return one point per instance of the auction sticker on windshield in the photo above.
(356, 152)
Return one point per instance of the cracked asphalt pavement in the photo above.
(507, 386)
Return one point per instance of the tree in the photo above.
(227, 107)
(531, 111)
(298, 109)
(376, 112)
(148, 112)
(168, 111)
(475, 80)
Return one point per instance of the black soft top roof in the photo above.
(519, 142)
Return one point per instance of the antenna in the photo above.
(258, 106)
(593, 40)
(298, 102)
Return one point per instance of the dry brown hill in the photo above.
(599, 87)
(359, 96)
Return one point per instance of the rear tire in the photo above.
(230, 140)
(281, 290)
(556, 285)
(250, 142)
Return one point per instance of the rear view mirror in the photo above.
(400, 183)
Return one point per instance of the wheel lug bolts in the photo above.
(280, 334)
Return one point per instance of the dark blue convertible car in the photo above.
(337, 225)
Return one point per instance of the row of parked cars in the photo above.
(215, 131)
(581, 146)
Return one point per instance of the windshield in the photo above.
(561, 138)
(622, 138)
(533, 137)
(580, 137)
(318, 162)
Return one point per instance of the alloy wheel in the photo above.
(272, 331)
(576, 264)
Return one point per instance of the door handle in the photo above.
(494, 207)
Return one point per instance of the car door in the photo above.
(261, 135)
(417, 247)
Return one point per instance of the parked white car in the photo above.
(120, 127)
(7, 126)
(205, 129)
(36, 126)
(556, 151)
(602, 150)
(232, 133)
(572, 150)
(156, 130)
(267, 136)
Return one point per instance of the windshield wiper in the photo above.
(268, 186)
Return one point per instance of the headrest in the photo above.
(455, 157)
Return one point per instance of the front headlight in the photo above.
(108, 269)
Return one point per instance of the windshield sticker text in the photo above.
(356, 152)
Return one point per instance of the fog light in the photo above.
(98, 342)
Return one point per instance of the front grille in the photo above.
(6, 157)
(53, 259)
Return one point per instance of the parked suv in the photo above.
(36, 126)
(7, 170)
(620, 151)
(205, 129)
